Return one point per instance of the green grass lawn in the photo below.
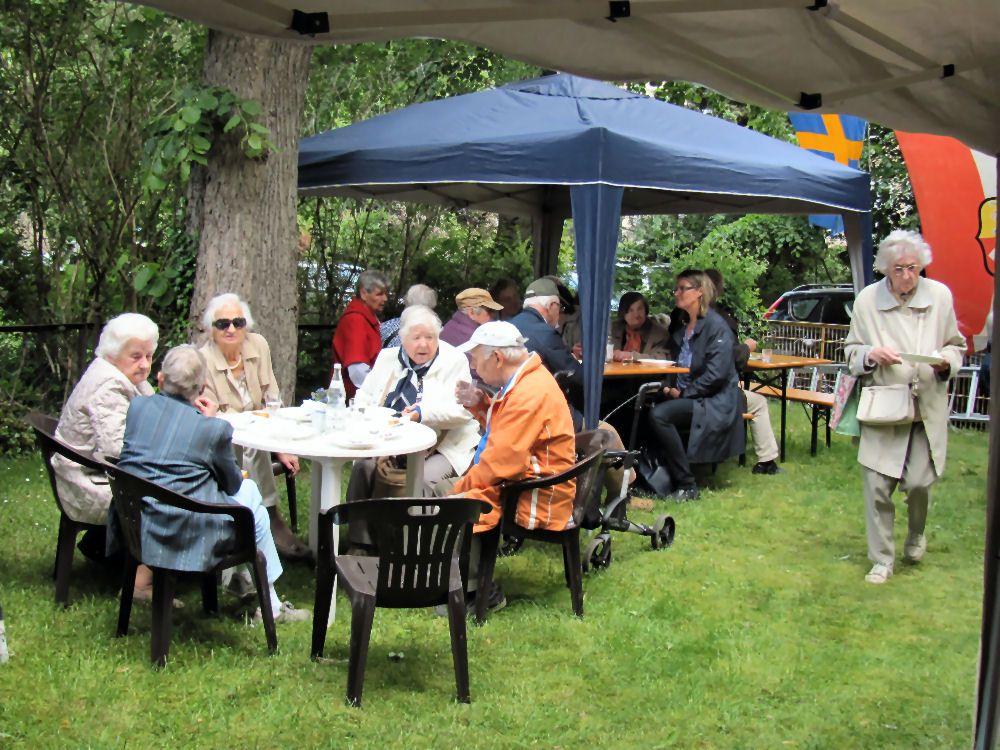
(755, 630)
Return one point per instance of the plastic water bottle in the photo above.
(609, 353)
(336, 400)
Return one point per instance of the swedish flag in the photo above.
(836, 137)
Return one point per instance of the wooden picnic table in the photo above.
(775, 373)
(641, 369)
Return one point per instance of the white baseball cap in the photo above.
(494, 333)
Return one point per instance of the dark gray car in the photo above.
(815, 303)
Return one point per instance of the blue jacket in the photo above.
(542, 338)
(168, 441)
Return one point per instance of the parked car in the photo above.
(815, 303)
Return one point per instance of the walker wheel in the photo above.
(663, 532)
(598, 554)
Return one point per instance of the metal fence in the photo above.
(822, 340)
(969, 404)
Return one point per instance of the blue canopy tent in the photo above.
(562, 146)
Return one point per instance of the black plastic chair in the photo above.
(418, 565)
(586, 472)
(45, 433)
(128, 492)
(279, 470)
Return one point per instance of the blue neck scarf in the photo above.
(410, 386)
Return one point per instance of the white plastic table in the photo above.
(281, 435)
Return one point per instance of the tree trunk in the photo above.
(242, 210)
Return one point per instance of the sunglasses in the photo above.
(223, 324)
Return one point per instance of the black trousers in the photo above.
(665, 419)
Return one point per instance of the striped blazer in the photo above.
(170, 442)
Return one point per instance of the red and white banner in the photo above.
(956, 193)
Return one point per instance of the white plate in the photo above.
(659, 362)
(295, 413)
(929, 359)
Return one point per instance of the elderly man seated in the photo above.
(527, 432)
(537, 322)
(172, 439)
(475, 306)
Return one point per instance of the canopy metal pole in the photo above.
(546, 230)
(988, 697)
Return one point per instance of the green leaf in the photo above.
(152, 182)
(232, 123)
(207, 100)
(251, 107)
(190, 114)
(200, 144)
(143, 275)
(135, 32)
(258, 128)
(254, 142)
(158, 287)
(179, 124)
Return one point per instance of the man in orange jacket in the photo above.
(527, 430)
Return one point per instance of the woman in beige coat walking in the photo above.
(903, 331)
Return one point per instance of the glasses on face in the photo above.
(223, 324)
(900, 270)
(681, 289)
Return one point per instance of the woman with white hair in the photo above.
(418, 379)
(418, 294)
(93, 423)
(903, 332)
(240, 378)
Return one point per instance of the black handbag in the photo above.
(653, 474)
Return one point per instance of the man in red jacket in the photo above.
(356, 342)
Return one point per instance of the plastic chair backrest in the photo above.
(418, 540)
(129, 493)
(44, 427)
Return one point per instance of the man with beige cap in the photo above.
(475, 307)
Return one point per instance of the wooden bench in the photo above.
(821, 404)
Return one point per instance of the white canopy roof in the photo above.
(916, 65)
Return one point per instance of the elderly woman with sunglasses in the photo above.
(707, 401)
(240, 378)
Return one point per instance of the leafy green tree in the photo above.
(893, 204)
(341, 236)
(82, 82)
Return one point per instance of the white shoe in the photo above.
(879, 573)
(916, 545)
(285, 613)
